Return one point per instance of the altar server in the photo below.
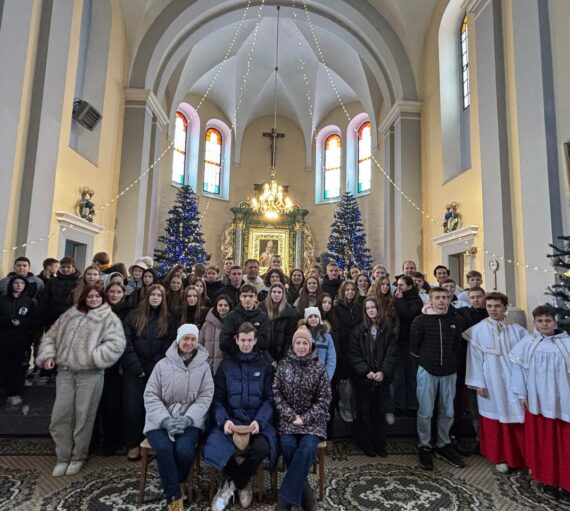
(501, 416)
(541, 381)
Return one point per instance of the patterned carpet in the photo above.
(353, 482)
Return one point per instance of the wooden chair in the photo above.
(147, 455)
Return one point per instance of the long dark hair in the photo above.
(214, 308)
(304, 297)
(184, 318)
(82, 301)
(143, 312)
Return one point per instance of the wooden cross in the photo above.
(274, 136)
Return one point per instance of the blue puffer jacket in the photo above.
(243, 393)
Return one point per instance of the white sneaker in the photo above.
(389, 417)
(59, 469)
(502, 468)
(346, 415)
(224, 496)
(73, 468)
(245, 496)
(15, 400)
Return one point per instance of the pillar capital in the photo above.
(402, 109)
(152, 103)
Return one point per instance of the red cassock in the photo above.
(547, 450)
(502, 442)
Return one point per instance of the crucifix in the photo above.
(274, 136)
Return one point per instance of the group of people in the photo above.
(257, 366)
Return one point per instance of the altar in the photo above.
(252, 235)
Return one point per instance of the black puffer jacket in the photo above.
(21, 309)
(435, 340)
(407, 307)
(280, 332)
(348, 316)
(142, 352)
(331, 286)
(58, 296)
(232, 322)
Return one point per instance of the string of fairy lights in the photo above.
(424, 214)
(310, 105)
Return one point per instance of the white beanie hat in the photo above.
(312, 311)
(186, 329)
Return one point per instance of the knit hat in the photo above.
(147, 260)
(186, 329)
(312, 311)
(302, 333)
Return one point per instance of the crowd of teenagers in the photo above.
(254, 367)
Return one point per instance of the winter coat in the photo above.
(58, 296)
(122, 309)
(280, 332)
(331, 286)
(212, 288)
(473, 316)
(407, 307)
(435, 340)
(175, 389)
(301, 387)
(232, 322)
(292, 293)
(210, 339)
(230, 291)
(243, 394)
(324, 345)
(34, 288)
(348, 316)
(23, 309)
(192, 315)
(368, 354)
(145, 350)
(84, 341)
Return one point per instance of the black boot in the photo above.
(282, 505)
(309, 501)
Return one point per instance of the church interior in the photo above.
(447, 120)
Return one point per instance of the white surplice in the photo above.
(541, 374)
(489, 366)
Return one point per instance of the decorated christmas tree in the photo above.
(183, 242)
(561, 290)
(347, 241)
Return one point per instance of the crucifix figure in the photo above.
(274, 136)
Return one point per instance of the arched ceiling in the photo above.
(178, 46)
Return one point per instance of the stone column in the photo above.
(299, 249)
(404, 223)
(140, 141)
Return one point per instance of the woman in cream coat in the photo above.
(177, 398)
(84, 341)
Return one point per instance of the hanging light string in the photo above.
(144, 174)
(275, 93)
(428, 217)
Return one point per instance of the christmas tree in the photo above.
(561, 290)
(347, 241)
(183, 240)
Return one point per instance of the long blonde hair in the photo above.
(143, 312)
(273, 309)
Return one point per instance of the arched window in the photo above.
(180, 144)
(364, 156)
(331, 167)
(466, 90)
(213, 161)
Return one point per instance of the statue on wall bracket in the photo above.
(451, 218)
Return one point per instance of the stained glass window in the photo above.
(332, 167)
(179, 156)
(364, 156)
(213, 161)
(466, 89)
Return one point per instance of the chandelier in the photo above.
(271, 197)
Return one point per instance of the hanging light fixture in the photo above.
(271, 197)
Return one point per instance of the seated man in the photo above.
(243, 397)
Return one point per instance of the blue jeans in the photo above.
(430, 388)
(174, 459)
(299, 454)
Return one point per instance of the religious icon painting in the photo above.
(264, 243)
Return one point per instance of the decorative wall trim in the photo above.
(151, 101)
(77, 223)
(400, 108)
(464, 234)
(474, 6)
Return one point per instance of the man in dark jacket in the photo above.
(246, 311)
(243, 398)
(332, 280)
(58, 293)
(22, 267)
(434, 340)
(232, 288)
(16, 323)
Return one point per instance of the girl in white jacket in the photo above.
(84, 341)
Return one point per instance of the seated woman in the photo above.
(302, 395)
(177, 398)
(243, 397)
